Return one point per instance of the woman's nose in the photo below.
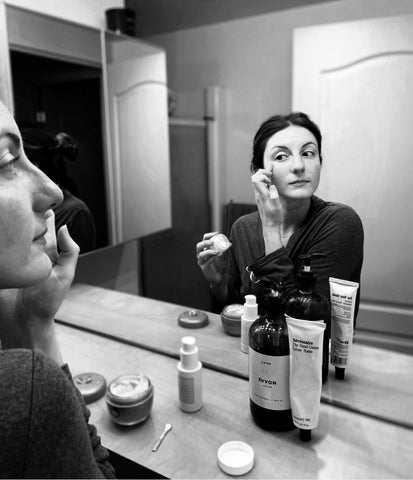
(297, 163)
(47, 194)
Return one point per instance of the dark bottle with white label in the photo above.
(269, 368)
(309, 304)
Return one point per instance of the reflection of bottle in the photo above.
(247, 319)
(189, 376)
(308, 304)
(269, 369)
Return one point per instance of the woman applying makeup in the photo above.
(44, 429)
(290, 221)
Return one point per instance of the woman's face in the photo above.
(292, 155)
(25, 195)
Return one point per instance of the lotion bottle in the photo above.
(269, 368)
(189, 376)
(309, 304)
(247, 319)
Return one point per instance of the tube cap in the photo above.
(305, 435)
(92, 386)
(193, 319)
(340, 373)
(235, 458)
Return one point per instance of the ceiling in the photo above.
(154, 17)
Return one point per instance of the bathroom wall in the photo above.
(251, 59)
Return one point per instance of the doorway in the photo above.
(169, 267)
(61, 96)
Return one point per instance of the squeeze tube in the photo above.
(343, 301)
(306, 358)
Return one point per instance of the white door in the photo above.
(355, 79)
(138, 117)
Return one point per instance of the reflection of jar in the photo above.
(129, 399)
(221, 242)
(231, 319)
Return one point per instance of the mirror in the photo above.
(59, 96)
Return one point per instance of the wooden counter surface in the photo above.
(344, 445)
(378, 382)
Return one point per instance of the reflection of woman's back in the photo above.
(49, 153)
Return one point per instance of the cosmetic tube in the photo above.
(306, 360)
(343, 294)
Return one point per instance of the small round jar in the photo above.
(231, 319)
(129, 399)
(221, 242)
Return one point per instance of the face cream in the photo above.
(343, 295)
(306, 358)
(129, 399)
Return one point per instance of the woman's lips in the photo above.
(299, 182)
(41, 238)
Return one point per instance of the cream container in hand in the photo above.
(220, 242)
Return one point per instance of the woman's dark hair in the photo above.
(273, 125)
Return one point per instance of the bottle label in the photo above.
(186, 389)
(269, 378)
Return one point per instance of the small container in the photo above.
(193, 319)
(235, 458)
(231, 319)
(221, 242)
(91, 385)
(129, 399)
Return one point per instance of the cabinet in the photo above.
(133, 105)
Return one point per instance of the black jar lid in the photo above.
(92, 386)
(193, 319)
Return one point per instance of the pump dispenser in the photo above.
(247, 319)
(308, 304)
(189, 376)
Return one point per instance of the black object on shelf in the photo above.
(121, 20)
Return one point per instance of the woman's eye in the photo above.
(281, 157)
(8, 162)
(308, 153)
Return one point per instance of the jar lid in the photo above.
(235, 458)
(92, 386)
(193, 319)
(130, 388)
(221, 242)
(235, 310)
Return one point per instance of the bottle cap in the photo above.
(250, 307)
(92, 386)
(235, 457)
(340, 373)
(305, 435)
(193, 319)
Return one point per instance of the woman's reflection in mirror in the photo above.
(50, 153)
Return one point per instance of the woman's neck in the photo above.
(295, 212)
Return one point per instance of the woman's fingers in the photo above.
(69, 251)
(50, 236)
(206, 242)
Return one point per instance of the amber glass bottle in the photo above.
(269, 368)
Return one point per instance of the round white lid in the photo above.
(235, 458)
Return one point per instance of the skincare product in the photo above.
(343, 295)
(309, 304)
(189, 376)
(221, 242)
(306, 357)
(269, 368)
(247, 319)
(129, 399)
(231, 319)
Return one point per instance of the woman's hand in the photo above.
(269, 208)
(213, 263)
(27, 314)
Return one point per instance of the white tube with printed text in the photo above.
(306, 358)
(343, 295)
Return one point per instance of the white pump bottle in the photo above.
(249, 317)
(189, 376)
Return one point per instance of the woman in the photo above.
(290, 221)
(48, 153)
(44, 430)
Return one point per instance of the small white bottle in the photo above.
(249, 317)
(189, 376)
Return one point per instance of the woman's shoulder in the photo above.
(247, 221)
(335, 211)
